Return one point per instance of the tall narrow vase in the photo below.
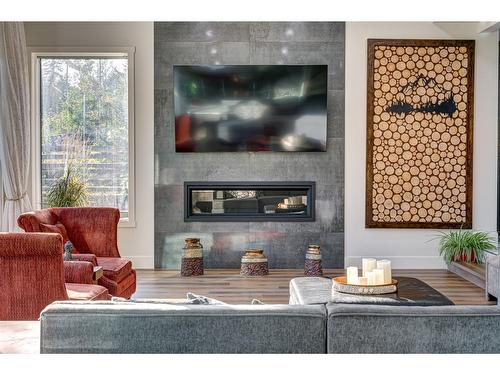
(312, 264)
(192, 258)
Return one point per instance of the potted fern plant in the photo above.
(465, 246)
(68, 191)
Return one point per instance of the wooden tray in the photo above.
(340, 285)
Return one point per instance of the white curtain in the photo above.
(14, 123)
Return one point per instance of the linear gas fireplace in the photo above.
(249, 201)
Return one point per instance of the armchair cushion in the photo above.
(115, 269)
(87, 292)
(125, 288)
(55, 228)
(78, 272)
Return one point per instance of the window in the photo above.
(84, 126)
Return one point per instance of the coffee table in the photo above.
(411, 292)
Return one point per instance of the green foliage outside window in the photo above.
(84, 124)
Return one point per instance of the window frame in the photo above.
(40, 52)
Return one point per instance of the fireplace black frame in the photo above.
(189, 186)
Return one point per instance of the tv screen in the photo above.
(250, 108)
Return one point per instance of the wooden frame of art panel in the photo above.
(420, 109)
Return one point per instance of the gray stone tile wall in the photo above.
(249, 43)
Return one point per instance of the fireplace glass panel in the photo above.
(252, 203)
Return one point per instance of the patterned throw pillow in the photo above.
(256, 301)
(202, 300)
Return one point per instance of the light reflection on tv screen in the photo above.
(250, 108)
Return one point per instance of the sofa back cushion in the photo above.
(409, 329)
(115, 327)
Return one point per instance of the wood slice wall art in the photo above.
(419, 133)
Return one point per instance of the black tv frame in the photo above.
(326, 66)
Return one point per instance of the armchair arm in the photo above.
(78, 272)
(85, 258)
(30, 221)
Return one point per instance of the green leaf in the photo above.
(67, 191)
(454, 244)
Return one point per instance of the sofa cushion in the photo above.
(413, 329)
(115, 269)
(98, 327)
(86, 292)
(55, 228)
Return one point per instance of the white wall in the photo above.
(410, 248)
(135, 243)
(406, 248)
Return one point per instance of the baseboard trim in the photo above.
(141, 262)
(401, 262)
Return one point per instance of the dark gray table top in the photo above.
(411, 292)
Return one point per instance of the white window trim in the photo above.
(36, 53)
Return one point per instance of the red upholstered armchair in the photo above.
(93, 232)
(32, 275)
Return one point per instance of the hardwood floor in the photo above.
(229, 286)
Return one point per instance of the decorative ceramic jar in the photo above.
(254, 263)
(192, 258)
(312, 264)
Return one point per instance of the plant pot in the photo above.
(463, 257)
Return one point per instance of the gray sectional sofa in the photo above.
(132, 327)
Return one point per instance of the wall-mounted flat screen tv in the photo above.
(221, 108)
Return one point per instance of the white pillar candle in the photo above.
(352, 275)
(362, 280)
(378, 275)
(369, 264)
(370, 278)
(386, 266)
